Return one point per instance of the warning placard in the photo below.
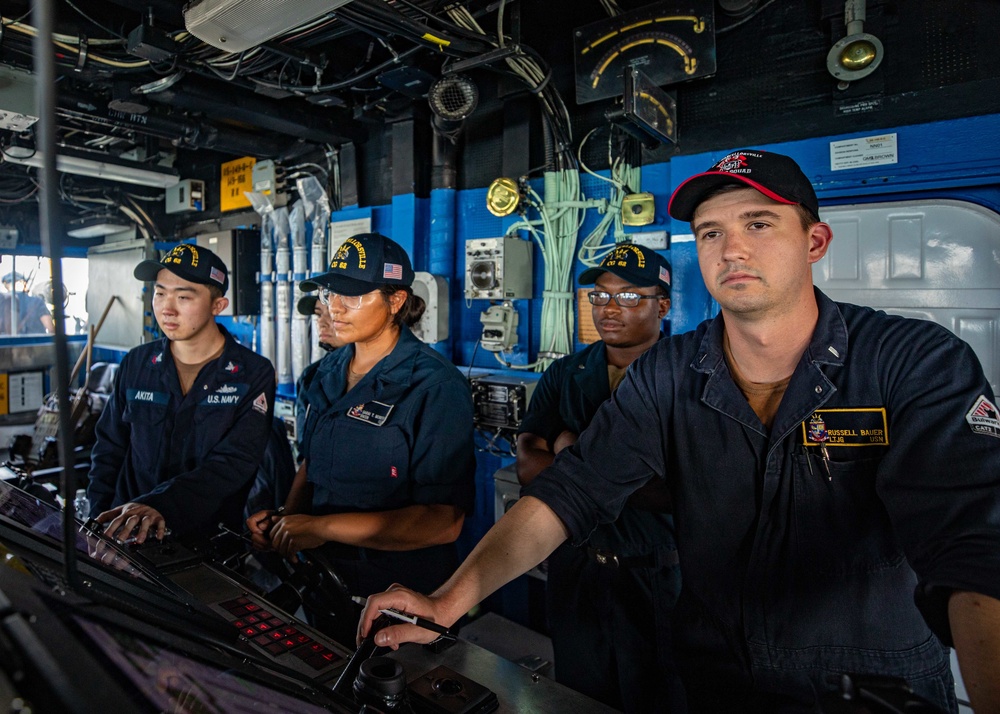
(237, 177)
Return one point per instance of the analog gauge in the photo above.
(667, 44)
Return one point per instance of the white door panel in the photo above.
(936, 260)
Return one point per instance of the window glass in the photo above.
(26, 295)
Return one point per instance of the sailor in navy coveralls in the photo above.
(388, 462)
(835, 474)
(179, 441)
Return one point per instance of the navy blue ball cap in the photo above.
(640, 266)
(307, 305)
(364, 263)
(190, 262)
(775, 175)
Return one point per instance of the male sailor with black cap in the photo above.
(610, 601)
(835, 474)
(179, 441)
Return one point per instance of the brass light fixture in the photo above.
(503, 197)
(859, 53)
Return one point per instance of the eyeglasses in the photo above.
(599, 297)
(351, 302)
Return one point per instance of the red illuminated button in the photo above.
(317, 662)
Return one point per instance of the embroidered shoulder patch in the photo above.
(984, 418)
(260, 403)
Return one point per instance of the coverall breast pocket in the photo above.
(144, 419)
(366, 467)
(841, 525)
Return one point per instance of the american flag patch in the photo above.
(392, 271)
(216, 275)
(665, 275)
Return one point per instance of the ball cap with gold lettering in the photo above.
(775, 175)
(363, 263)
(190, 262)
(640, 266)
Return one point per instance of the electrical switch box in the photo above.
(186, 195)
(240, 251)
(500, 401)
(497, 268)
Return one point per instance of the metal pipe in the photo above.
(854, 16)
(49, 224)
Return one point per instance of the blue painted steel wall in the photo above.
(957, 159)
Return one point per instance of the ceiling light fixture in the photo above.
(95, 168)
(97, 226)
(237, 25)
(859, 53)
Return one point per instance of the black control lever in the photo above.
(367, 648)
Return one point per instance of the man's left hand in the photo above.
(133, 520)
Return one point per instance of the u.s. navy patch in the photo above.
(984, 418)
(863, 426)
(374, 413)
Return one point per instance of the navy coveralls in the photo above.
(610, 622)
(422, 453)
(798, 566)
(303, 389)
(191, 457)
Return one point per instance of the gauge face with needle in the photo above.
(668, 43)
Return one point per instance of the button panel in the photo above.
(276, 637)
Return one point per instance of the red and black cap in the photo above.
(775, 175)
(363, 263)
(190, 262)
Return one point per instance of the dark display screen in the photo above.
(46, 520)
(172, 681)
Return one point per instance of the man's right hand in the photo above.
(404, 600)
(259, 525)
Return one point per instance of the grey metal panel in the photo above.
(518, 690)
(936, 260)
(110, 275)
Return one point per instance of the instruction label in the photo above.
(863, 152)
(237, 177)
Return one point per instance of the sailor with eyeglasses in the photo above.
(609, 600)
